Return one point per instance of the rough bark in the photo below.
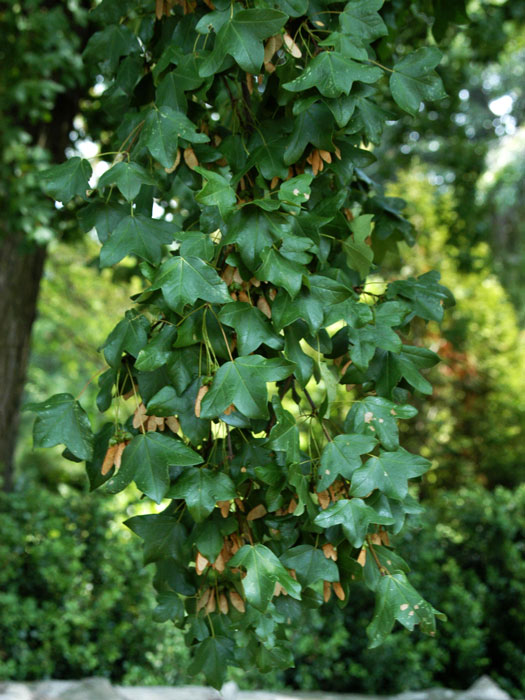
(20, 274)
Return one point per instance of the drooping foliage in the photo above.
(240, 133)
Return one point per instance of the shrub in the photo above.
(74, 597)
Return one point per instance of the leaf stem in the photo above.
(376, 63)
(316, 414)
(89, 382)
(382, 570)
(223, 333)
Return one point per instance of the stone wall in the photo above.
(101, 689)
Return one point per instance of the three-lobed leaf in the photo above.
(397, 600)
(145, 461)
(333, 75)
(162, 130)
(241, 35)
(242, 382)
(183, 280)
(65, 181)
(128, 177)
(355, 516)
(201, 488)
(341, 457)
(263, 571)
(413, 79)
(61, 420)
(389, 473)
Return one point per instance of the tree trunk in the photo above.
(21, 270)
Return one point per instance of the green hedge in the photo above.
(74, 598)
(468, 560)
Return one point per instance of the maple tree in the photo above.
(249, 125)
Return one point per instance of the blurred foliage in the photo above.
(74, 599)
(472, 427)
(502, 201)
(41, 81)
(468, 558)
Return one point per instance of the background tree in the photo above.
(41, 83)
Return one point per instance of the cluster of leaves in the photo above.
(248, 125)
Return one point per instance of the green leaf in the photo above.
(137, 235)
(428, 298)
(354, 516)
(170, 607)
(305, 306)
(328, 290)
(341, 457)
(389, 473)
(61, 420)
(365, 340)
(201, 488)
(284, 436)
(107, 46)
(361, 21)
(359, 255)
(184, 280)
(64, 181)
(163, 535)
(263, 571)
(102, 217)
(388, 368)
(161, 132)
(158, 350)
(211, 657)
(295, 353)
(243, 384)
(216, 192)
(209, 535)
(310, 565)
(372, 118)
(128, 177)
(183, 367)
(410, 360)
(296, 190)
(266, 152)
(241, 36)
(397, 600)
(293, 8)
(378, 416)
(414, 81)
(388, 560)
(311, 126)
(197, 244)
(281, 271)
(129, 335)
(166, 402)
(333, 75)
(346, 45)
(251, 325)
(146, 459)
(251, 229)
